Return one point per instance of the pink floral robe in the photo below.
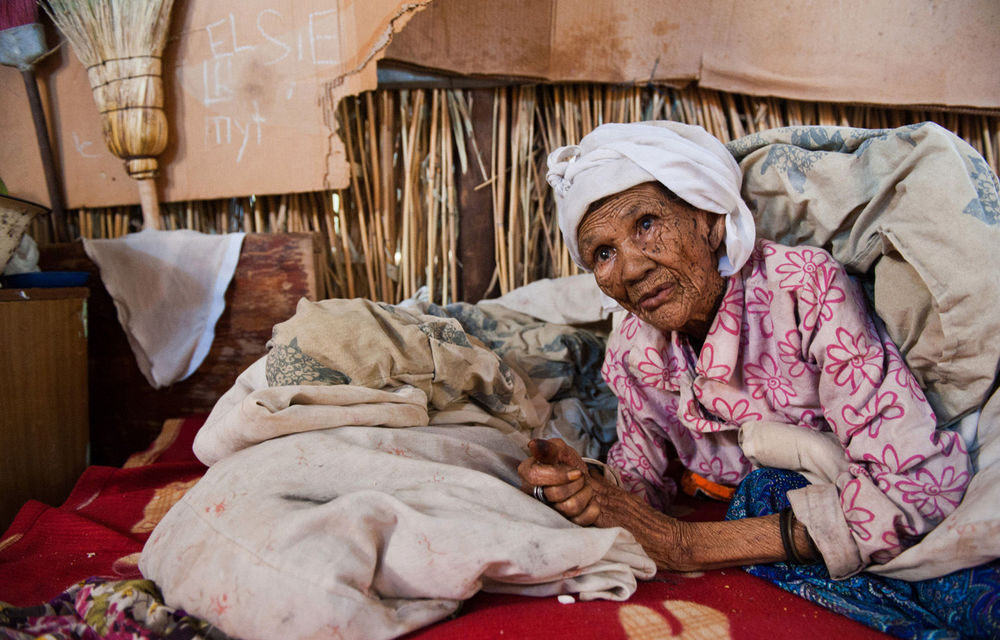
(792, 343)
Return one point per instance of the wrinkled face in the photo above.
(656, 255)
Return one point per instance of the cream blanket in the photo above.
(363, 480)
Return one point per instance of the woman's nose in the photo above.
(635, 263)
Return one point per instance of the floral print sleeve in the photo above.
(904, 475)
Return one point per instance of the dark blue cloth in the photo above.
(963, 604)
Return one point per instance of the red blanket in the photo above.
(100, 530)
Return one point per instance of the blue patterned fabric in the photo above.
(963, 604)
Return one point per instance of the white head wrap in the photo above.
(684, 158)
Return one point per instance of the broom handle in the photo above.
(150, 205)
(45, 149)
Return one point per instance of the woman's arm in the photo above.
(675, 545)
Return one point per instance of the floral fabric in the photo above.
(97, 608)
(791, 343)
(961, 604)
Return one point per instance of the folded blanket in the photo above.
(377, 345)
(169, 289)
(382, 531)
(363, 476)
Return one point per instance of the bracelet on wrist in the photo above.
(786, 524)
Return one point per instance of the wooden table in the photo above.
(44, 426)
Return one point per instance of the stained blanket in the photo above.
(385, 441)
(44, 556)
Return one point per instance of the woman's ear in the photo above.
(716, 230)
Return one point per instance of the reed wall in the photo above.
(397, 226)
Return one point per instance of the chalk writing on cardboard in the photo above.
(241, 49)
(274, 39)
(81, 146)
(226, 130)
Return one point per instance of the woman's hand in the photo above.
(589, 500)
(674, 545)
(565, 480)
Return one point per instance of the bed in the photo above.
(95, 537)
(83, 557)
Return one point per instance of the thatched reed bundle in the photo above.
(120, 42)
(396, 227)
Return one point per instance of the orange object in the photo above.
(694, 484)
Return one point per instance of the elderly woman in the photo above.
(736, 355)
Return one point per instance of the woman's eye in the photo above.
(646, 223)
(601, 254)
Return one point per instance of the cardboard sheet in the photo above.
(250, 84)
(894, 52)
(248, 87)
(556, 40)
(902, 52)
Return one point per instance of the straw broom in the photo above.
(120, 43)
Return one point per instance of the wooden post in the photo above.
(475, 236)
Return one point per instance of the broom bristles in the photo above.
(120, 42)
(102, 30)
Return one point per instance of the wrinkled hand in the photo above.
(673, 544)
(565, 479)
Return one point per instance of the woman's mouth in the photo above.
(656, 297)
